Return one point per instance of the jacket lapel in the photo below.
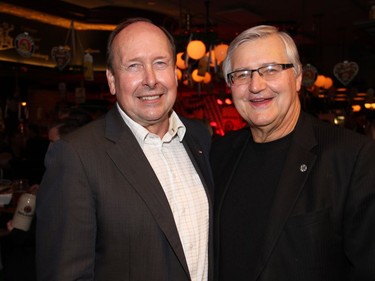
(201, 164)
(295, 172)
(129, 158)
(230, 161)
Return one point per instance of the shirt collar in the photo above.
(176, 127)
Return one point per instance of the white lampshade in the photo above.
(180, 62)
(327, 83)
(196, 77)
(220, 52)
(320, 80)
(196, 49)
(207, 78)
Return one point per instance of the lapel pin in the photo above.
(303, 168)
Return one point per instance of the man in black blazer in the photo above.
(127, 196)
(294, 196)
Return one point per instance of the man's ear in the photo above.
(111, 81)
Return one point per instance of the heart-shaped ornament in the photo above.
(309, 73)
(345, 71)
(61, 56)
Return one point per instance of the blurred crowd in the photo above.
(22, 151)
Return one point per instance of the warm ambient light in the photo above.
(327, 83)
(179, 74)
(196, 53)
(356, 108)
(339, 120)
(207, 78)
(46, 64)
(50, 19)
(228, 101)
(220, 52)
(370, 106)
(196, 77)
(323, 82)
(196, 49)
(180, 62)
(319, 82)
(341, 90)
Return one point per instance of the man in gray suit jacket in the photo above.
(127, 196)
(294, 196)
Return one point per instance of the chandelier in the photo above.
(199, 63)
(200, 53)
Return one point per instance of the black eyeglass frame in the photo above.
(284, 66)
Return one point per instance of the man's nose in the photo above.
(257, 83)
(150, 77)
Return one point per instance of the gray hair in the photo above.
(258, 32)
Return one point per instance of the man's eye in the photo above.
(270, 70)
(242, 75)
(161, 64)
(134, 67)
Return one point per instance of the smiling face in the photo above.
(144, 77)
(270, 107)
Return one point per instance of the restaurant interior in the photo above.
(47, 46)
(53, 59)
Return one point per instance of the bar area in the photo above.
(53, 78)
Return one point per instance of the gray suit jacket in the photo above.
(102, 213)
(322, 223)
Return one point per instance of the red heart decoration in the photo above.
(345, 71)
(61, 56)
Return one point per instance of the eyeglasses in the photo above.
(268, 72)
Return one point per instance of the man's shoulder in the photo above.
(337, 136)
(195, 127)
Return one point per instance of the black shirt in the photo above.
(246, 206)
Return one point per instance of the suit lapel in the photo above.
(201, 164)
(295, 172)
(133, 164)
(231, 160)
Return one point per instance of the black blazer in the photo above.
(322, 223)
(102, 213)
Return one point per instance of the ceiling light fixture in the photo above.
(199, 58)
